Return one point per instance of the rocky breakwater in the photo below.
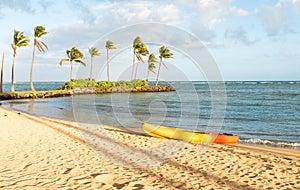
(101, 90)
(135, 89)
(78, 91)
(37, 94)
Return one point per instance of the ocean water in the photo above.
(266, 113)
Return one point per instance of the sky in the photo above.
(240, 39)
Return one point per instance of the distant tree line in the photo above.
(140, 50)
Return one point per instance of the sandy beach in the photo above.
(42, 153)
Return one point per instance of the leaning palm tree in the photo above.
(151, 66)
(164, 53)
(73, 55)
(39, 31)
(1, 74)
(19, 41)
(141, 51)
(93, 52)
(136, 43)
(109, 46)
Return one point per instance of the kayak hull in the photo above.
(188, 135)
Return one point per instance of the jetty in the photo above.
(80, 91)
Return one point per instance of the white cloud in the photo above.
(279, 18)
(17, 5)
(239, 35)
(287, 3)
(83, 22)
(273, 20)
(83, 10)
(206, 15)
(202, 32)
(139, 11)
(212, 12)
(169, 14)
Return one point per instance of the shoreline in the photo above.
(249, 146)
(39, 152)
(259, 145)
(80, 91)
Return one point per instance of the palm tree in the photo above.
(141, 51)
(19, 41)
(109, 46)
(73, 55)
(164, 53)
(136, 43)
(93, 52)
(1, 74)
(39, 31)
(151, 66)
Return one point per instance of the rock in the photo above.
(77, 91)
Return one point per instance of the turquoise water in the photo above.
(24, 86)
(259, 112)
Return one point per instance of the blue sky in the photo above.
(247, 39)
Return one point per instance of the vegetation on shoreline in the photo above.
(90, 83)
(140, 50)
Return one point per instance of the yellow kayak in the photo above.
(188, 135)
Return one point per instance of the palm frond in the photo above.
(39, 46)
(63, 60)
(20, 39)
(151, 67)
(110, 45)
(142, 49)
(152, 58)
(164, 52)
(23, 41)
(68, 53)
(44, 44)
(139, 57)
(136, 42)
(79, 61)
(39, 31)
(94, 51)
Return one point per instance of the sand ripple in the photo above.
(38, 153)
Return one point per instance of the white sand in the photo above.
(38, 153)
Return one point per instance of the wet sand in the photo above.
(41, 153)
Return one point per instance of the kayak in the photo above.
(188, 135)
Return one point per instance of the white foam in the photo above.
(293, 145)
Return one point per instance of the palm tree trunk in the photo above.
(12, 89)
(156, 83)
(133, 62)
(31, 69)
(107, 58)
(71, 71)
(1, 80)
(147, 77)
(91, 68)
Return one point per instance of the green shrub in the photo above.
(123, 84)
(79, 83)
(130, 84)
(139, 83)
(105, 84)
(68, 85)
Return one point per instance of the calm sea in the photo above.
(266, 113)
